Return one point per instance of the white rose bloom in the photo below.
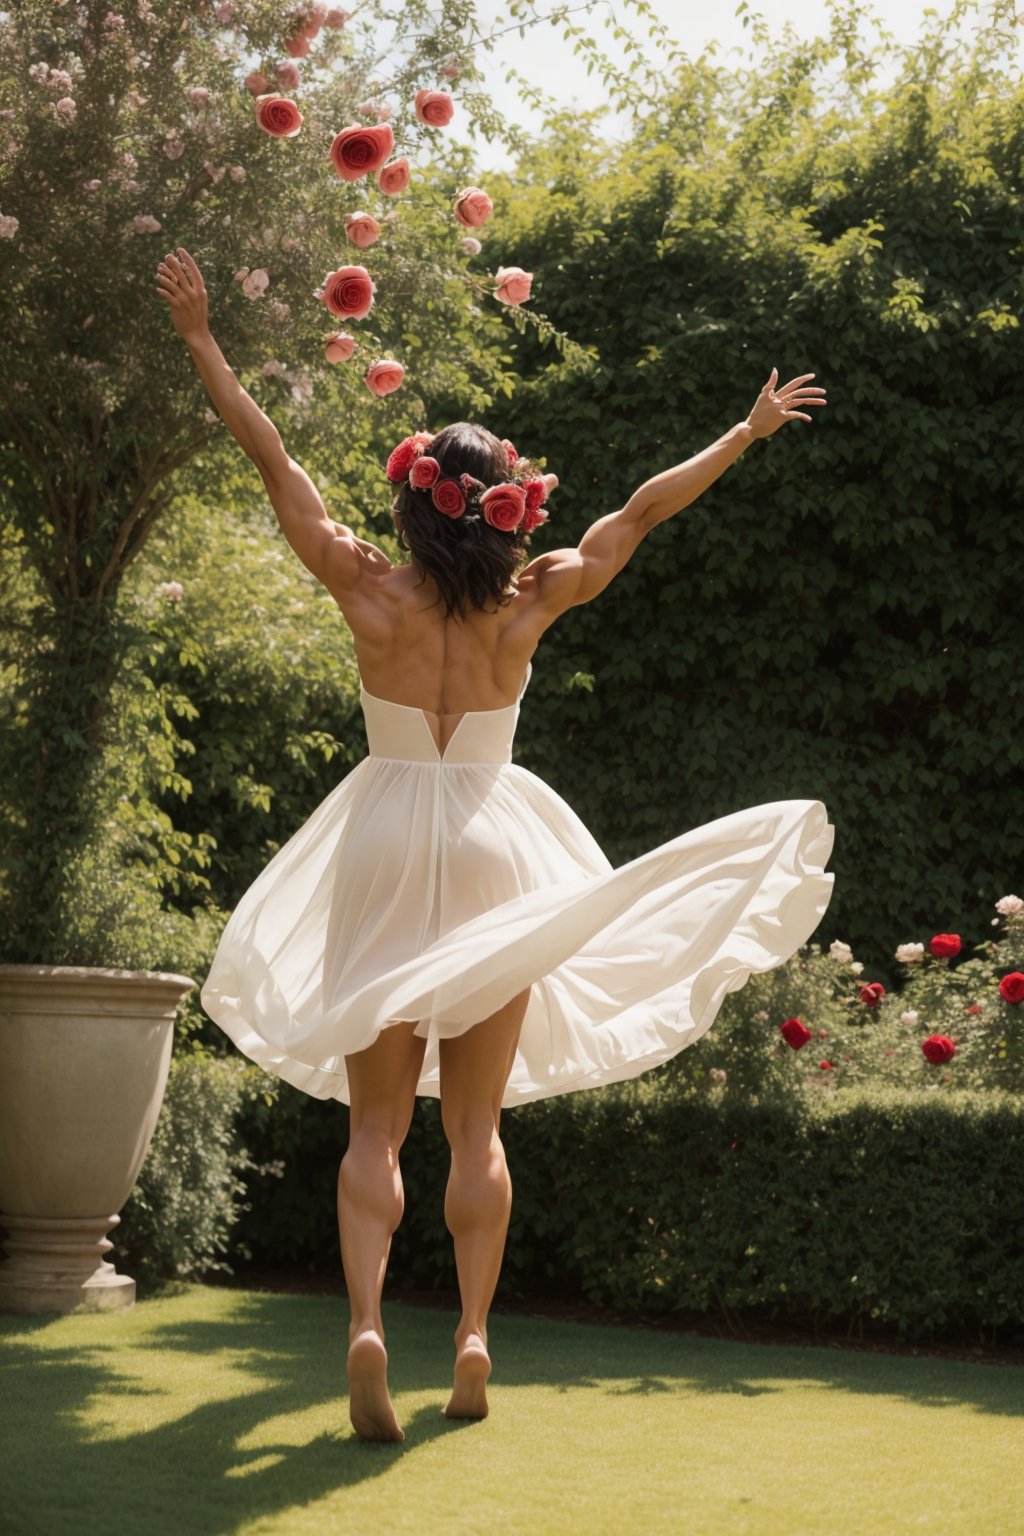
(908, 953)
(172, 590)
(840, 951)
(910, 1017)
(856, 966)
(1009, 905)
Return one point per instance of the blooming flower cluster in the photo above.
(937, 1048)
(359, 151)
(508, 506)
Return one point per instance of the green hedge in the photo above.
(896, 1206)
(837, 617)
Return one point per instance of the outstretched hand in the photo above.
(775, 406)
(181, 284)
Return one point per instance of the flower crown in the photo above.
(509, 505)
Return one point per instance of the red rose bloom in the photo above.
(1011, 988)
(510, 451)
(794, 1033)
(871, 994)
(471, 485)
(357, 151)
(532, 520)
(938, 1048)
(423, 473)
(536, 493)
(448, 498)
(504, 506)
(402, 458)
(945, 945)
(278, 116)
(348, 293)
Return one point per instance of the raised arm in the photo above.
(331, 551)
(565, 578)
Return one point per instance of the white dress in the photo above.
(436, 887)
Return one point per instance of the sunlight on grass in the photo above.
(217, 1411)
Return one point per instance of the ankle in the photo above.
(366, 1325)
(467, 1331)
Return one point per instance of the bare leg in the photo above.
(475, 1068)
(382, 1088)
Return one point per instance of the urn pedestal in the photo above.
(84, 1056)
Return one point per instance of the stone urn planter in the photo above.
(84, 1056)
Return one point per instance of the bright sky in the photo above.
(547, 59)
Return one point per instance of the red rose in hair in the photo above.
(504, 506)
(938, 1048)
(357, 151)
(402, 458)
(871, 994)
(448, 498)
(471, 485)
(945, 945)
(794, 1033)
(536, 493)
(423, 473)
(532, 520)
(1011, 988)
(510, 451)
(278, 116)
(348, 293)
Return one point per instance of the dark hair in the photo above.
(468, 559)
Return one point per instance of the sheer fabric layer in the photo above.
(435, 888)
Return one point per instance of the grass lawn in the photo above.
(214, 1410)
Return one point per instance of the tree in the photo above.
(124, 134)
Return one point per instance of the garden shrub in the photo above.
(177, 1222)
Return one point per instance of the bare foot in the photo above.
(472, 1368)
(373, 1417)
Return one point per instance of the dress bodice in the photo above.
(401, 732)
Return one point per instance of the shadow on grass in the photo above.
(152, 1464)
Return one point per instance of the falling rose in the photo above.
(359, 151)
(348, 293)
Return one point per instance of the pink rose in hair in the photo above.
(448, 498)
(362, 230)
(513, 285)
(504, 506)
(348, 293)
(287, 75)
(394, 177)
(435, 108)
(532, 520)
(384, 377)
(423, 473)
(472, 207)
(278, 116)
(551, 481)
(359, 151)
(339, 347)
(511, 452)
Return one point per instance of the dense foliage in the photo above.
(122, 136)
(838, 617)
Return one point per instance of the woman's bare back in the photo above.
(410, 653)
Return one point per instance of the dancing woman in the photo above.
(444, 923)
